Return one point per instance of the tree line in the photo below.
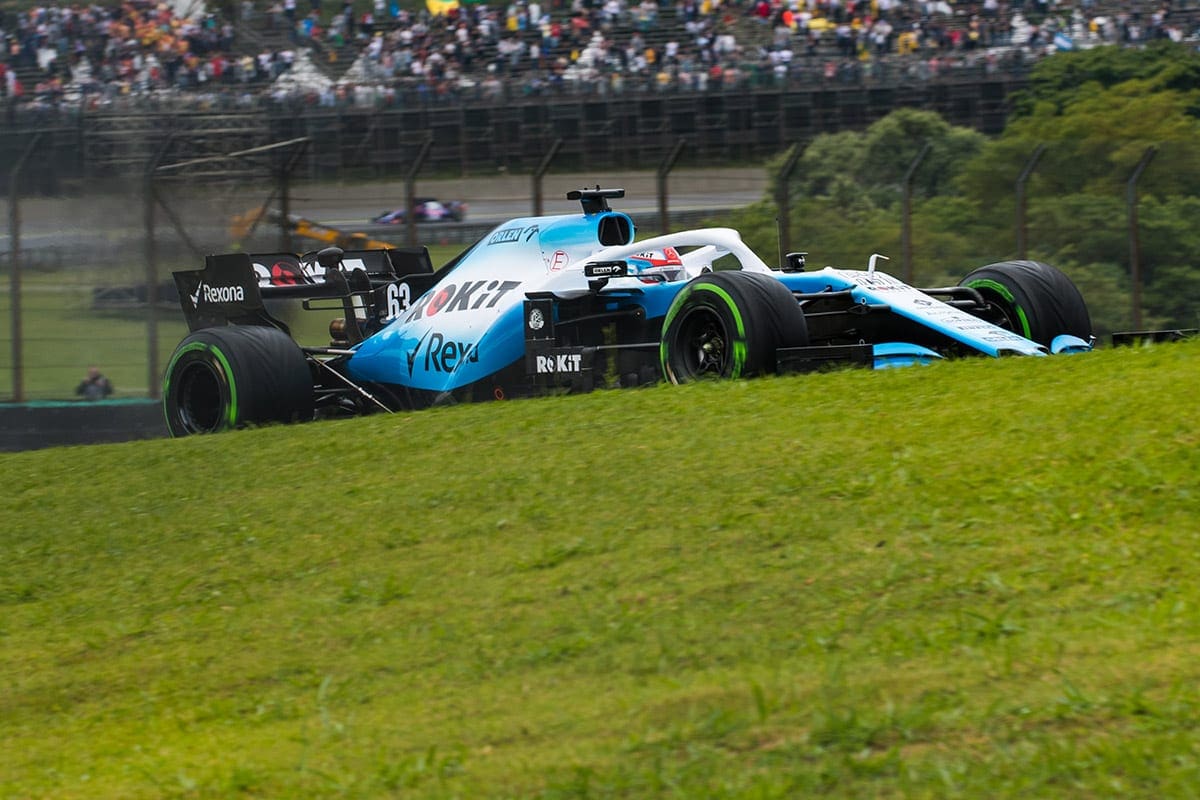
(1090, 117)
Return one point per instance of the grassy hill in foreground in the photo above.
(974, 579)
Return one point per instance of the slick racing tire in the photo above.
(224, 378)
(1035, 300)
(729, 325)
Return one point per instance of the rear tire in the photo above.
(224, 378)
(729, 325)
(1036, 300)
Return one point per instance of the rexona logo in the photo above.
(441, 354)
(217, 294)
(556, 364)
(469, 296)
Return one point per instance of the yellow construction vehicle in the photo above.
(242, 225)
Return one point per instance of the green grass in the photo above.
(62, 336)
(975, 579)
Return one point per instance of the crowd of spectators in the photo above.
(615, 45)
(98, 54)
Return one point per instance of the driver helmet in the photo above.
(654, 263)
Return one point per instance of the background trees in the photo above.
(1096, 112)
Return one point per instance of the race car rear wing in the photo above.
(371, 285)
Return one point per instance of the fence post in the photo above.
(1135, 247)
(1022, 179)
(464, 143)
(540, 171)
(284, 177)
(14, 230)
(783, 201)
(151, 200)
(906, 213)
(410, 192)
(285, 211)
(664, 169)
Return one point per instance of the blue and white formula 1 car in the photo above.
(572, 302)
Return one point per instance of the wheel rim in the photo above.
(1008, 317)
(1013, 317)
(199, 400)
(704, 344)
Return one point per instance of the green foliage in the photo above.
(1080, 228)
(1169, 235)
(1096, 113)
(951, 236)
(1093, 145)
(830, 233)
(1172, 300)
(826, 168)
(836, 602)
(894, 142)
(861, 171)
(1060, 81)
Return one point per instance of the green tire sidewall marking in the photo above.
(739, 343)
(215, 351)
(1006, 293)
(672, 312)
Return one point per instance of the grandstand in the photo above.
(142, 49)
(618, 85)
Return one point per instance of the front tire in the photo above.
(224, 378)
(729, 325)
(1033, 299)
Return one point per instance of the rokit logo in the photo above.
(469, 296)
(217, 294)
(561, 363)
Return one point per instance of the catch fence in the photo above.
(599, 132)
